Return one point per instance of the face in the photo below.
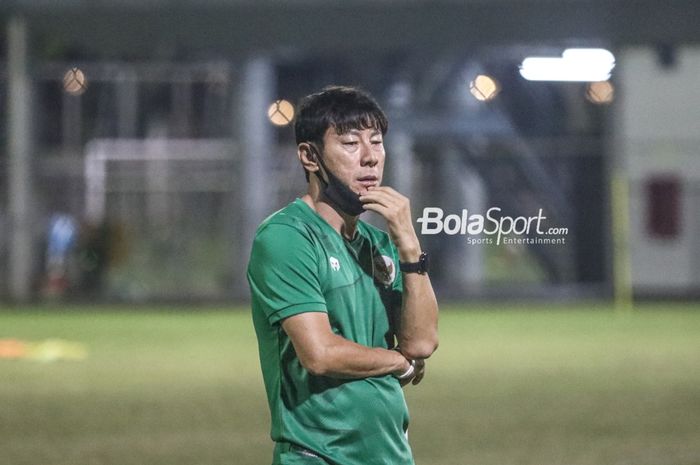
(355, 157)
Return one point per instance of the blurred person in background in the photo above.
(62, 234)
(344, 312)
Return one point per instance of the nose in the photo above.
(370, 156)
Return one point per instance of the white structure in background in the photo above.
(658, 140)
(154, 163)
(466, 268)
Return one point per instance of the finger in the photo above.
(383, 191)
(420, 371)
(386, 189)
(396, 208)
(419, 377)
(380, 198)
(378, 208)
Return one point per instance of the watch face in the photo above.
(424, 262)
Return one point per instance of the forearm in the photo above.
(418, 333)
(344, 359)
(324, 353)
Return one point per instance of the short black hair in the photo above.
(341, 107)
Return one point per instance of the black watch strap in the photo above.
(420, 267)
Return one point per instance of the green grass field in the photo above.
(527, 386)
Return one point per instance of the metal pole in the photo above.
(399, 143)
(127, 102)
(19, 155)
(618, 167)
(622, 268)
(257, 87)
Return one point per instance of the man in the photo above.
(340, 328)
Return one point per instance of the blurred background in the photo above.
(143, 142)
(139, 153)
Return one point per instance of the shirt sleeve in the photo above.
(283, 273)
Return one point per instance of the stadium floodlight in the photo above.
(484, 88)
(280, 112)
(74, 81)
(575, 64)
(600, 93)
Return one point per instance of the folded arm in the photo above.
(417, 332)
(324, 353)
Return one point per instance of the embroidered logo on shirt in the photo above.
(385, 269)
(335, 264)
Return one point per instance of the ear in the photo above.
(307, 157)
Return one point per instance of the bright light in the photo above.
(281, 112)
(484, 88)
(74, 81)
(575, 64)
(600, 93)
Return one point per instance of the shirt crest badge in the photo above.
(384, 269)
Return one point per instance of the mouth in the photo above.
(368, 181)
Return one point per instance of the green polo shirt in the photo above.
(299, 263)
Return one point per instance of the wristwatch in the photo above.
(420, 267)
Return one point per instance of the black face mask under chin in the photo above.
(339, 193)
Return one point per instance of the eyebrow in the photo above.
(356, 132)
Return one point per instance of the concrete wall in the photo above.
(658, 134)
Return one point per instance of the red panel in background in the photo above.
(663, 195)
